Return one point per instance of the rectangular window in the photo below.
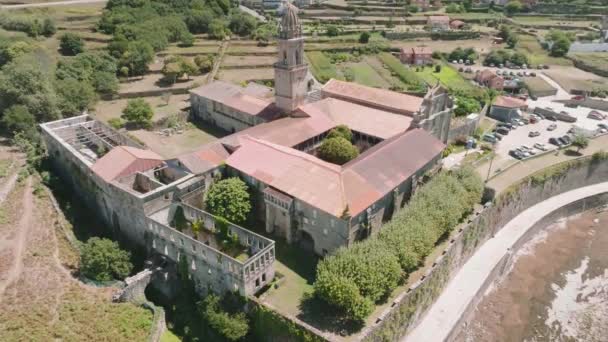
(332, 222)
(314, 213)
(264, 277)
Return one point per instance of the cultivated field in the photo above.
(593, 62)
(571, 78)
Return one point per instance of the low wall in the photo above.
(409, 307)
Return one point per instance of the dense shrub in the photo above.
(364, 37)
(337, 150)
(358, 276)
(71, 44)
(341, 131)
(33, 26)
(103, 260)
(230, 199)
(138, 112)
(233, 327)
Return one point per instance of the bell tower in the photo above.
(290, 70)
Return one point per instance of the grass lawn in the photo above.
(553, 21)
(366, 75)
(529, 46)
(298, 269)
(412, 81)
(321, 66)
(448, 77)
(594, 61)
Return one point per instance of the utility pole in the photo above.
(490, 168)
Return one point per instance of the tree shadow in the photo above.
(319, 314)
(572, 153)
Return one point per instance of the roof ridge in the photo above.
(378, 147)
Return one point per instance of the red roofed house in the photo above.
(488, 78)
(438, 22)
(419, 55)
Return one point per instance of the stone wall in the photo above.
(407, 309)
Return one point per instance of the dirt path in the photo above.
(21, 238)
(218, 62)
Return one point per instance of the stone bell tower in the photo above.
(290, 70)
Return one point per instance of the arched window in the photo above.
(284, 57)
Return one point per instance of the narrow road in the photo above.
(218, 62)
(462, 290)
(51, 4)
(20, 240)
(8, 186)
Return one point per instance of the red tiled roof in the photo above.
(486, 75)
(357, 184)
(509, 102)
(209, 157)
(457, 23)
(373, 97)
(125, 160)
(239, 98)
(367, 120)
(422, 50)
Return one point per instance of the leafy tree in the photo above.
(230, 199)
(71, 44)
(332, 31)
(187, 40)
(137, 57)
(218, 29)
(198, 21)
(580, 141)
(233, 327)
(364, 37)
(48, 27)
(341, 131)
(204, 63)
(138, 112)
(438, 68)
(453, 8)
(337, 150)
(26, 82)
(18, 118)
(103, 260)
(513, 7)
(560, 47)
(14, 50)
(466, 106)
(242, 24)
(74, 96)
(171, 71)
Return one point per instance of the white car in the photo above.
(540, 146)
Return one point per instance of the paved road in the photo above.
(454, 300)
(51, 4)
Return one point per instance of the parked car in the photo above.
(602, 130)
(567, 139)
(498, 135)
(562, 141)
(594, 114)
(602, 125)
(489, 138)
(533, 134)
(540, 146)
(502, 130)
(532, 74)
(555, 141)
(526, 121)
(516, 154)
(550, 118)
(552, 127)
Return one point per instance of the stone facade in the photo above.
(221, 115)
(136, 217)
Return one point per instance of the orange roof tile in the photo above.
(509, 102)
(125, 160)
(373, 97)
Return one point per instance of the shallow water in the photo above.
(557, 289)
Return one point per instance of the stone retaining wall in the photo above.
(409, 307)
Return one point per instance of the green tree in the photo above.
(138, 112)
(364, 37)
(242, 24)
(18, 118)
(103, 260)
(187, 40)
(48, 27)
(438, 68)
(218, 29)
(466, 105)
(560, 47)
(171, 71)
(204, 63)
(233, 327)
(136, 58)
(453, 8)
(74, 96)
(513, 7)
(71, 44)
(580, 141)
(230, 199)
(337, 150)
(198, 21)
(332, 31)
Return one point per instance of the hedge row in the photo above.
(354, 279)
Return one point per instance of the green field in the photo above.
(449, 78)
(321, 66)
(596, 63)
(365, 74)
(529, 46)
(551, 21)
(405, 74)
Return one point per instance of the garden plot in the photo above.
(363, 73)
(229, 62)
(239, 76)
(571, 78)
